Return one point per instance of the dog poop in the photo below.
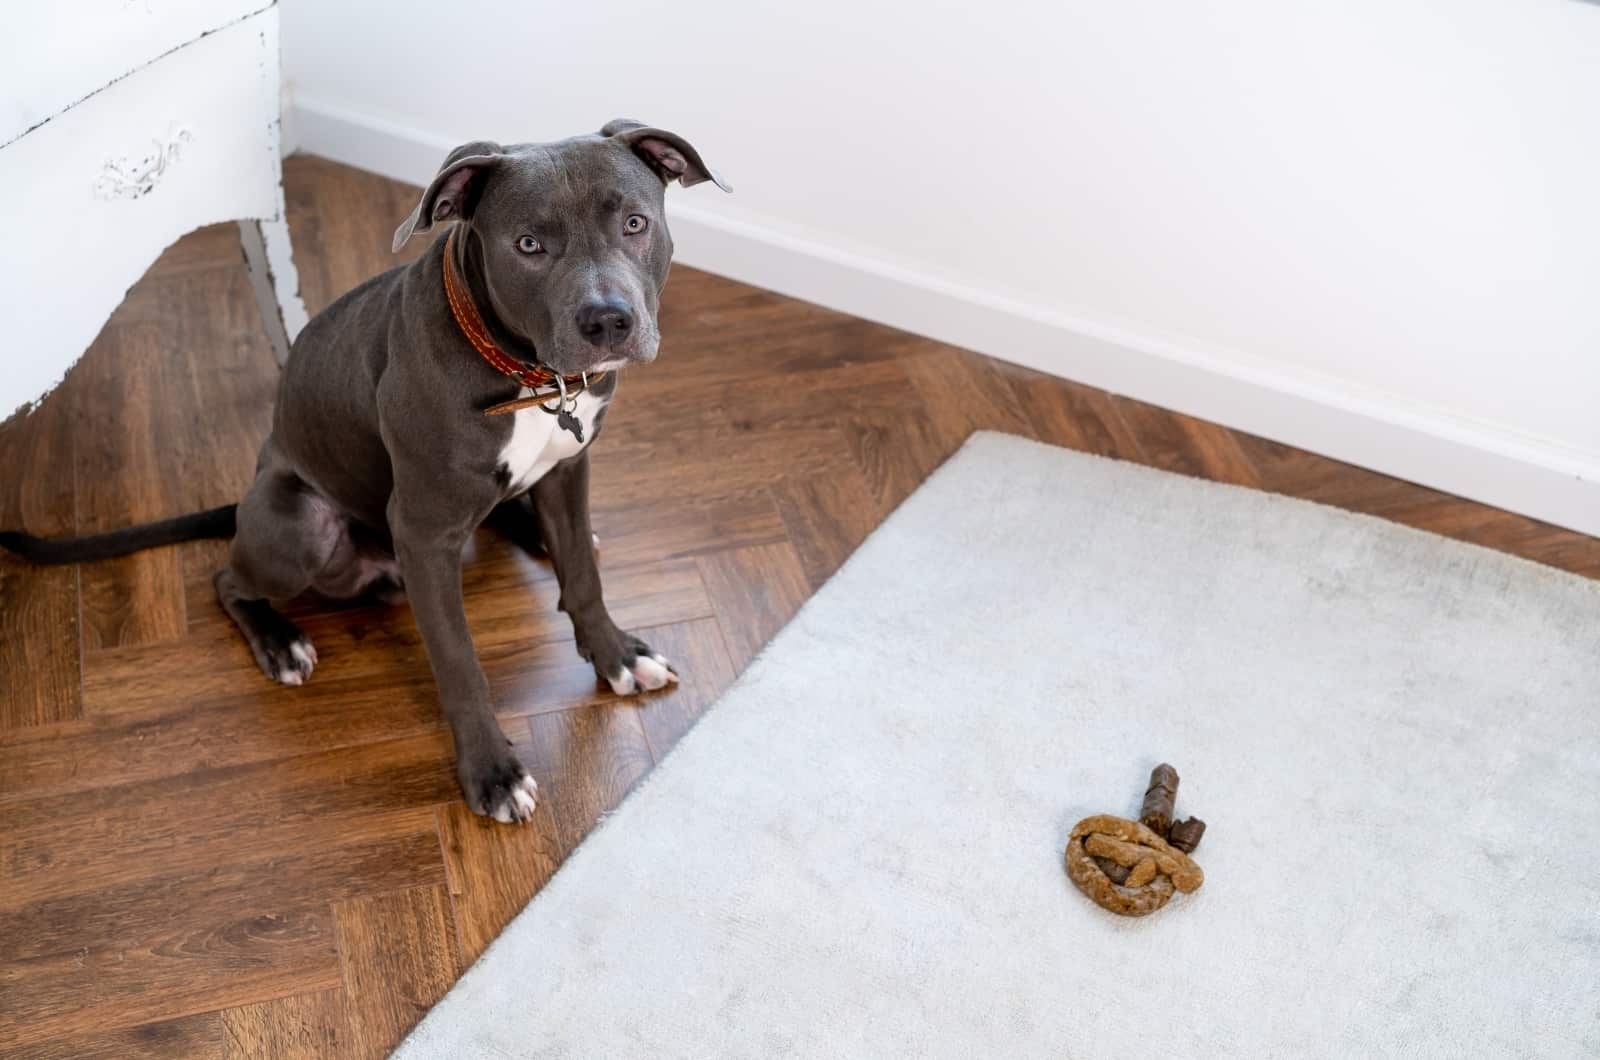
(1159, 798)
(1185, 835)
(1114, 872)
(1132, 868)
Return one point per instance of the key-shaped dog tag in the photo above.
(568, 422)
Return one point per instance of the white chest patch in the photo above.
(538, 444)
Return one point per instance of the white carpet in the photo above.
(1395, 739)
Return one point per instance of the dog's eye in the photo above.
(529, 245)
(635, 224)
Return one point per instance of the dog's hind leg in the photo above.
(281, 545)
(283, 652)
(518, 521)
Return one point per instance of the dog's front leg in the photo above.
(492, 779)
(561, 502)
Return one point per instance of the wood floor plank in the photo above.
(399, 956)
(1189, 446)
(1552, 545)
(207, 249)
(40, 675)
(792, 423)
(704, 674)
(132, 599)
(545, 678)
(712, 436)
(587, 758)
(342, 224)
(894, 457)
(185, 971)
(197, 1037)
(494, 870)
(39, 638)
(30, 444)
(313, 1026)
(964, 392)
(219, 362)
(214, 897)
(58, 847)
(706, 360)
(755, 592)
(256, 722)
(827, 516)
(1070, 414)
(125, 473)
(710, 332)
(640, 526)
(707, 447)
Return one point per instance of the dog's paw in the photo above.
(517, 803)
(646, 671)
(388, 590)
(503, 791)
(287, 659)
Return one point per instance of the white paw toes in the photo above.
(648, 673)
(294, 666)
(518, 806)
(653, 672)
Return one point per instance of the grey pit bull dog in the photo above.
(388, 449)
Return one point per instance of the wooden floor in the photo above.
(195, 862)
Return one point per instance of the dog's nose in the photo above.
(605, 323)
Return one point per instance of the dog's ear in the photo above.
(670, 155)
(454, 190)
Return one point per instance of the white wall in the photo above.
(1369, 228)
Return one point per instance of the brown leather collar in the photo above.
(470, 321)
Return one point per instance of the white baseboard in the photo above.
(1371, 429)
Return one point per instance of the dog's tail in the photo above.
(217, 522)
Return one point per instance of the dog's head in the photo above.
(568, 240)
